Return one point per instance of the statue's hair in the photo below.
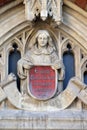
(49, 43)
(42, 31)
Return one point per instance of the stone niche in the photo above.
(42, 103)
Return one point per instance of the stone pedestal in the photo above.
(58, 120)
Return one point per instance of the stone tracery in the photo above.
(52, 8)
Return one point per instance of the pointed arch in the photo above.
(69, 63)
(14, 56)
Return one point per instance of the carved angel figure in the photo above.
(43, 53)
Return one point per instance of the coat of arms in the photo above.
(42, 82)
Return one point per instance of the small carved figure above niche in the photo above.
(44, 9)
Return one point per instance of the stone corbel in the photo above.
(44, 10)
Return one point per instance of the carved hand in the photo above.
(62, 74)
(27, 65)
(23, 65)
(57, 64)
(20, 69)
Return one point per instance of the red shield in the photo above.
(42, 82)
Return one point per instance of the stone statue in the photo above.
(42, 53)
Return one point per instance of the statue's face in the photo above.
(42, 39)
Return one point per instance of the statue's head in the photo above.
(43, 38)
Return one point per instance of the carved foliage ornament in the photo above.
(44, 8)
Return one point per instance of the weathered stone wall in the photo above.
(58, 120)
